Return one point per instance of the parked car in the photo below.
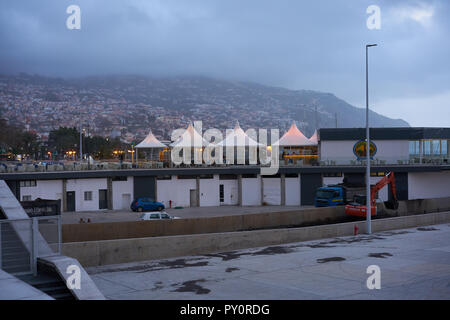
(156, 216)
(146, 204)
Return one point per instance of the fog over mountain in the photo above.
(135, 104)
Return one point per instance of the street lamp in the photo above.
(368, 202)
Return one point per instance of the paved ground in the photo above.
(200, 212)
(414, 263)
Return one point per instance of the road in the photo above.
(414, 264)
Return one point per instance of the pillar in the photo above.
(262, 189)
(239, 189)
(283, 189)
(64, 195)
(109, 193)
(197, 187)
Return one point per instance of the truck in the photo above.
(358, 207)
(337, 195)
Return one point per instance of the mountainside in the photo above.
(131, 105)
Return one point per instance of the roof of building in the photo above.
(150, 142)
(295, 138)
(399, 133)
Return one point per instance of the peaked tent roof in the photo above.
(150, 142)
(189, 137)
(294, 137)
(238, 138)
(315, 138)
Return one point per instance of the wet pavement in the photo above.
(414, 264)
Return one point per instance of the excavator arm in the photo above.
(387, 179)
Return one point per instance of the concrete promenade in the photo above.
(414, 263)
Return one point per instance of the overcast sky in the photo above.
(316, 45)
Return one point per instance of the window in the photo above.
(412, 148)
(332, 174)
(154, 216)
(117, 178)
(436, 147)
(444, 147)
(427, 146)
(221, 193)
(28, 183)
(377, 174)
(165, 216)
(26, 198)
(88, 196)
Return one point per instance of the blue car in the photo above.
(146, 204)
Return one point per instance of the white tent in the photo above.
(238, 138)
(190, 138)
(294, 138)
(246, 146)
(150, 142)
(315, 138)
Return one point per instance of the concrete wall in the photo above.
(44, 189)
(293, 191)
(176, 190)
(342, 151)
(82, 185)
(251, 192)
(272, 191)
(141, 229)
(209, 192)
(96, 253)
(121, 191)
(230, 192)
(428, 185)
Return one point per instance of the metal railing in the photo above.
(22, 241)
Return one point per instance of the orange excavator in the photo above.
(357, 208)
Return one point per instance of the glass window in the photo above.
(444, 147)
(427, 147)
(165, 216)
(436, 146)
(87, 195)
(412, 147)
(154, 216)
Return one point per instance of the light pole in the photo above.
(368, 202)
(81, 139)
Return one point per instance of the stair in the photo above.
(49, 283)
(15, 256)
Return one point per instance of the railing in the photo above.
(323, 161)
(22, 241)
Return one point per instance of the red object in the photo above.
(355, 230)
(360, 210)
(170, 203)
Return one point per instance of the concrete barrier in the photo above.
(96, 253)
(298, 218)
(144, 229)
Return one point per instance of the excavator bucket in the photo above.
(392, 205)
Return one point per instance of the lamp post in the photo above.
(368, 202)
